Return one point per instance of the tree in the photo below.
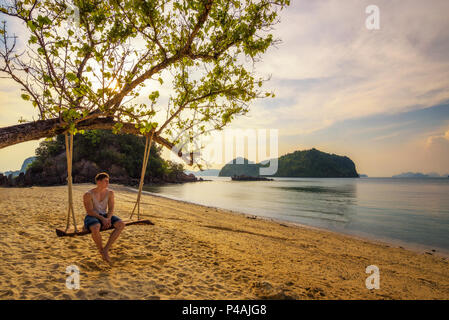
(123, 150)
(86, 63)
(97, 67)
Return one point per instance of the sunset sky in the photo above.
(380, 97)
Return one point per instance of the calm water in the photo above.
(413, 212)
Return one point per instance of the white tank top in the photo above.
(100, 206)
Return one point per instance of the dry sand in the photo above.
(196, 252)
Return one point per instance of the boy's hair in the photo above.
(101, 176)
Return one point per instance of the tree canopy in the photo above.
(167, 67)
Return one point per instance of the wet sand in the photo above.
(197, 252)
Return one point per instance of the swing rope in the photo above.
(146, 157)
(69, 153)
(71, 211)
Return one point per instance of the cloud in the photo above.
(442, 139)
(330, 67)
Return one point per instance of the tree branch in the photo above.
(51, 127)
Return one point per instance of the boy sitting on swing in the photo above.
(96, 201)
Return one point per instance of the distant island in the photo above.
(302, 164)
(420, 175)
(23, 169)
(248, 178)
(208, 172)
(240, 167)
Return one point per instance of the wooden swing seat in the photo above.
(82, 231)
(80, 228)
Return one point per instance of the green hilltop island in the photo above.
(299, 164)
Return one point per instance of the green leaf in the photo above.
(22, 120)
(43, 20)
(153, 95)
(46, 78)
(32, 25)
(33, 39)
(25, 97)
(71, 76)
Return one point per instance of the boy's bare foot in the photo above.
(105, 256)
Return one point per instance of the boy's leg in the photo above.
(118, 228)
(96, 236)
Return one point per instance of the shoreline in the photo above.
(196, 252)
(418, 248)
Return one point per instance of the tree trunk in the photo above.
(52, 127)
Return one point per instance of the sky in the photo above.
(380, 97)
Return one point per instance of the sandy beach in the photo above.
(197, 252)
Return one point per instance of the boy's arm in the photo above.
(111, 204)
(87, 200)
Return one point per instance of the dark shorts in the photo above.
(90, 221)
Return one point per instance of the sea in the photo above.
(408, 212)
